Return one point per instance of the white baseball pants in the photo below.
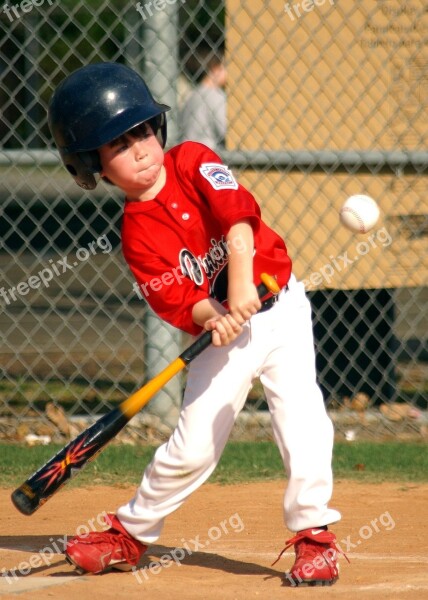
(277, 346)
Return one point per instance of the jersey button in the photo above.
(185, 216)
(174, 205)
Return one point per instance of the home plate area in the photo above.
(221, 544)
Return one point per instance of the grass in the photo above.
(241, 462)
(386, 461)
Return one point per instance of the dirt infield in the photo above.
(220, 545)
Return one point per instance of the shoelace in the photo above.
(324, 537)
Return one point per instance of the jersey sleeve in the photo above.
(228, 200)
(163, 288)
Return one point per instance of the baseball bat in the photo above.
(47, 480)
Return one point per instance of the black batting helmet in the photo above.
(93, 106)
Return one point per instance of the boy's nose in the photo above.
(140, 151)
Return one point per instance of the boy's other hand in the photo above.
(225, 329)
(243, 301)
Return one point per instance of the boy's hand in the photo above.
(243, 300)
(225, 329)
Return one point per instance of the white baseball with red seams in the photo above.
(359, 213)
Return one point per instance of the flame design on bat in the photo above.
(75, 456)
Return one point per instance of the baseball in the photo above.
(359, 213)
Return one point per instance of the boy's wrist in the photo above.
(207, 309)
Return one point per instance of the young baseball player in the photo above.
(196, 243)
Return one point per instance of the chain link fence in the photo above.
(325, 99)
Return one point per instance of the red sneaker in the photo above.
(98, 551)
(316, 558)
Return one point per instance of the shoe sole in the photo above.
(310, 583)
(71, 562)
(120, 566)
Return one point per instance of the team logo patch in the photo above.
(219, 176)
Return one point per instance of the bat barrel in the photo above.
(43, 484)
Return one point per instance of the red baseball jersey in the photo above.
(175, 244)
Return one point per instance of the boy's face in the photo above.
(133, 161)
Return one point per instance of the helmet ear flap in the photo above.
(162, 128)
(82, 168)
(91, 159)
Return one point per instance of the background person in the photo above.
(203, 115)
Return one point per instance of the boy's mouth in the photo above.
(149, 167)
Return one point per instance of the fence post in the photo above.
(163, 342)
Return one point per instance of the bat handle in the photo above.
(268, 285)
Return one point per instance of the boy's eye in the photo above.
(141, 132)
(119, 146)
